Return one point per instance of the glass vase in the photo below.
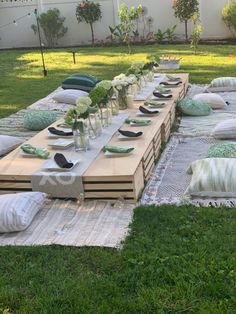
(95, 126)
(81, 136)
(114, 107)
(122, 99)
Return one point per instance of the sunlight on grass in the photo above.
(23, 82)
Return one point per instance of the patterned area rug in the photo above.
(169, 179)
(70, 223)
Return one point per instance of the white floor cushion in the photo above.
(213, 100)
(8, 143)
(213, 177)
(69, 96)
(225, 129)
(18, 210)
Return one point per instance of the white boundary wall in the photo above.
(21, 35)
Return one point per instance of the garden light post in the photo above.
(40, 42)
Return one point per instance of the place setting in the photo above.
(117, 151)
(146, 112)
(60, 163)
(129, 135)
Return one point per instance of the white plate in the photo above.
(23, 154)
(157, 108)
(159, 98)
(61, 143)
(139, 113)
(127, 138)
(51, 165)
(50, 135)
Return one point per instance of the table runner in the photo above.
(147, 90)
(69, 184)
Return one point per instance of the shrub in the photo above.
(229, 15)
(89, 12)
(52, 25)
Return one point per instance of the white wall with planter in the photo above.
(21, 35)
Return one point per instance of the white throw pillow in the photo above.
(8, 143)
(18, 210)
(223, 84)
(213, 100)
(69, 96)
(213, 177)
(225, 129)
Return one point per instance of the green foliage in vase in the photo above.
(229, 16)
(89, 12)
(52, 24)
(98, 96)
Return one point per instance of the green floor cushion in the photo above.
(213, 177)
(93, 78)
(79, 82)
(37, 120)
(190, 107)
(225, 129)
(213, 100)
(8, 143)
(69, 96)
(222, 150)
(222, 84)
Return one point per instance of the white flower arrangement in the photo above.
(122, 81)
(82, 104)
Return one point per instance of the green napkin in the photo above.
(172, 78)
(163, 90)
(137, 121)
(154, 104)
(29, 149)
(116, 149)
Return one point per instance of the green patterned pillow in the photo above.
(84, 83)
(213, 177)
(190, 107)
(91, 77)
(39, 120)
(223, 84)
(222, 150)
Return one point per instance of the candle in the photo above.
(130, 101)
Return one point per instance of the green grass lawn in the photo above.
(22, 82)
(175, 260)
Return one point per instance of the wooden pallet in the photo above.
(106, 178)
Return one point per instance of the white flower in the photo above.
(82, 104)
(105, 84)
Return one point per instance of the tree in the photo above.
(184, 11)
(52, 25)
(229, 16)
(127, 21)
(89, 12)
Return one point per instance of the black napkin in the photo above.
(227, 103)
(171, 84)
(146, 111)
(62, 162)
(59, 132)
(130, 134)
(159, 95)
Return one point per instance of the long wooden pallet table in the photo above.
(106, 178)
